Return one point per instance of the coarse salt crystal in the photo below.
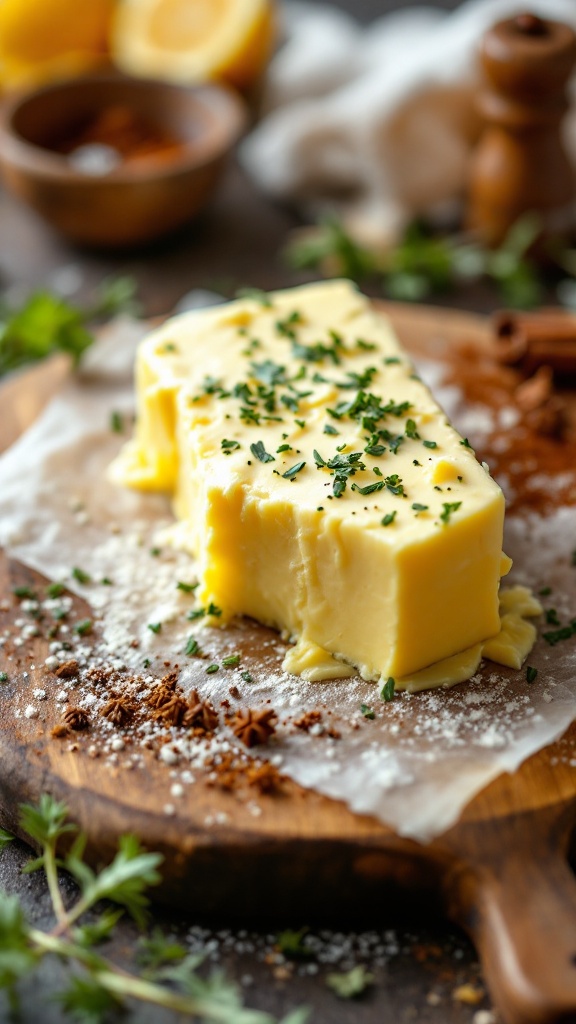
(168, 755)
(39, 694)
(31, 711)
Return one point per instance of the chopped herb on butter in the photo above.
(448, 508)
(389, 518)
(430, 444)
(466, 443)
(387, 691)
(229, 446)
(259, 452)
(417, 507)
(291, 473)
(369, 488)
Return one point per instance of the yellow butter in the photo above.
(385, 547)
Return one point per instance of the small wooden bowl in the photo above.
(135, 202)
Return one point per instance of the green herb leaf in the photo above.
(430, 444)
(124, 881)
(192, 646)
(211, 669)
(417, 507)
(231, 661)
(3, 677)
(531, 674)
(5, 838)
(80, 576)
(448, 508)
(259, 452)
(186, 588)
(116, 422)
(350, 984)
(228, 446)
(369, 488)
(387, 691)
(291, 473)
(54, 590)
(88, 1001)
(389, 518)
(44, 324)
(155, 627)
(367, 711)
(17, 958)
(292, 944)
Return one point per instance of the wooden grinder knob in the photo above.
(520, 164)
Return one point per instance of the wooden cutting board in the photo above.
(502, 872)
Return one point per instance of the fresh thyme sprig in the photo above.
(169, 978)
(423, 263)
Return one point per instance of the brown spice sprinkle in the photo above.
(77, 719)
(60, 732)
(172, 711)
(254, 727)
(67, 669)
(163, 691)
(265, 777)
(307, 720)
(119, 709)
(200, 714)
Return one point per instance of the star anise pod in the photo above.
(76, 718)
(172, 711)
(163, 691)
(119, 709)
(200, 714)
(254, 727)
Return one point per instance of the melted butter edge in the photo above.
(510, 647)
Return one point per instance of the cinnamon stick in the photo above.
(531, 340)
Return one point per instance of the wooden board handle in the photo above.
(519, 907)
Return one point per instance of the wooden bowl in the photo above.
(136, 201)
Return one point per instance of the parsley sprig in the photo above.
(169, 976)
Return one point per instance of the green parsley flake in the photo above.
(154, 627)
(411, 430)
(259, 452)
(24, 592)
(3, 677)
(55, 590)
(429, 444)
(211, 669)
(155, 552)
(545, 592)
(329, 429)
(232, 661)
(228, 446)
(389, 518)
(192, 646)
(80, 576)
(449, 507)
(378, 485)
(116, 422)
(291, 473)
(466, 443)
(367, 711)
(186, 588)
(419, 508)
(84, 627)
(531, 674)
(394, 484)
(387, 691)
(213, 609)
(247, 677)
(552, 617)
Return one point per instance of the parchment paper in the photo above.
(423, 757)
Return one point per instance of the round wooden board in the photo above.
(502, 872)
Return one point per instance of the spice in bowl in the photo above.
(117, 135)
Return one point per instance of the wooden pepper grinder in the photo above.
(520, 164)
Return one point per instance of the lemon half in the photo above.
(45, 39)
(189, 41)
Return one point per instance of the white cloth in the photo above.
(378, 121)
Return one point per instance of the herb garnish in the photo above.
(448, 508)
(192, 646)
(417, 507)
(291, 473)
(84, 627)
(80, 576)
(211, 669)
(367, 711)
(95, 986)
(531, 674)
(155, 627)
(259, 452)
(387, 691)
(389, 518)
(186, 588)
(228, 446)
(231, 661)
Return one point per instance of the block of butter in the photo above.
(318, 484)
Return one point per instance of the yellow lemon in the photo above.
(194, 40)
(43, 39)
